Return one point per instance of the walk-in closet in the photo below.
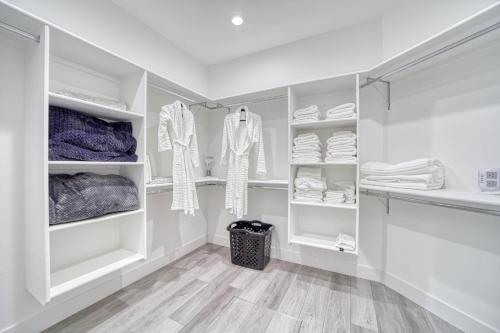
(319, 166)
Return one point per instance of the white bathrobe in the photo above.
(177, 131)
(238, 138)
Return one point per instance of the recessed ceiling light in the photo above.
(237, 20)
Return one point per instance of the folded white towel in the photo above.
(345, 241)
(331, 149)
(344, 134)
(343, 106)
(312, 109)
(413, 167)
(341, 141)
(315, 200)
(309, 183)
(306, 160)
(341, 115)
(305, 120)
(307, 172)
(306, 154)
(301, 148)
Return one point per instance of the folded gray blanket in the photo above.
(86, 195)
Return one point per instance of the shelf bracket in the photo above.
(387, 97)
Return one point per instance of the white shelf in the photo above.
(105, 218)
(269, 182)
(320, 164)
(65, 165)
(77, 275)
(442, 196)
(326, 123)
(92, 109)
(326, 205)
(318, 241)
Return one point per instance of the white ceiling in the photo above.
(203, 28)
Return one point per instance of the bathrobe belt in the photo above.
(237, 166)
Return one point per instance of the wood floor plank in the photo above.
(204, 316)
(294, 299)
(245, 277)
(282, 323)
(414, 316)
(276, 290)
(338, 315)
(311, 324)
(232, 317)
(362, 307)
(256, 289)
(156, 316)
(318, 296)
(389, 318)
(440, 325)
(257, 320)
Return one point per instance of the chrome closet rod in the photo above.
(20, 32)
(219, 184)
(433, 54)
(257, 100)
(389, 196)
(171, 92)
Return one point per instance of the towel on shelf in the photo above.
(344, 189)
(341, 111)
(306, 148)
(309, 185)
(314, 173)
(413, 167)
(334, 197)
(341, 147)
(312, 109)
(419, 174)
(310, 113)
(345, 241)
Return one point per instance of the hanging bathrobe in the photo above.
(238, 138)
(177, 131)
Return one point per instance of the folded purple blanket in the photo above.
(77, 136)
(86, 195)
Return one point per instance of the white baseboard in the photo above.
(64, 307)
(442, 309)
(430, 302)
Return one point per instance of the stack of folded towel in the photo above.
(341, 192)
(346, 242)
(306, 148)
(341, 147)
(419, 174)
(311, 113)
(342, 111)
(309, 185)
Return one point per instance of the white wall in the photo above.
(447, 260)
(342, 51)
(411, 22)
(110, 27)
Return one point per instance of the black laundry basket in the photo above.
(250, 243)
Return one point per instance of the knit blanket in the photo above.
(86, 195)
(77, 136)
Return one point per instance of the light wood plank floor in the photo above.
(204, 292)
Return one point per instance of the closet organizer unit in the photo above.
(65, 256)
(318, 224)
(442, 106)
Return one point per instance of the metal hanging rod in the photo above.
(258, 100)
(388, 196)
(433, 54)
(20, 32)
(261, 187)
(171, 92)
(205, 105)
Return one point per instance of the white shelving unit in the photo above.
(66, 256)
(308, 225)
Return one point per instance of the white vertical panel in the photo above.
(36, 169)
